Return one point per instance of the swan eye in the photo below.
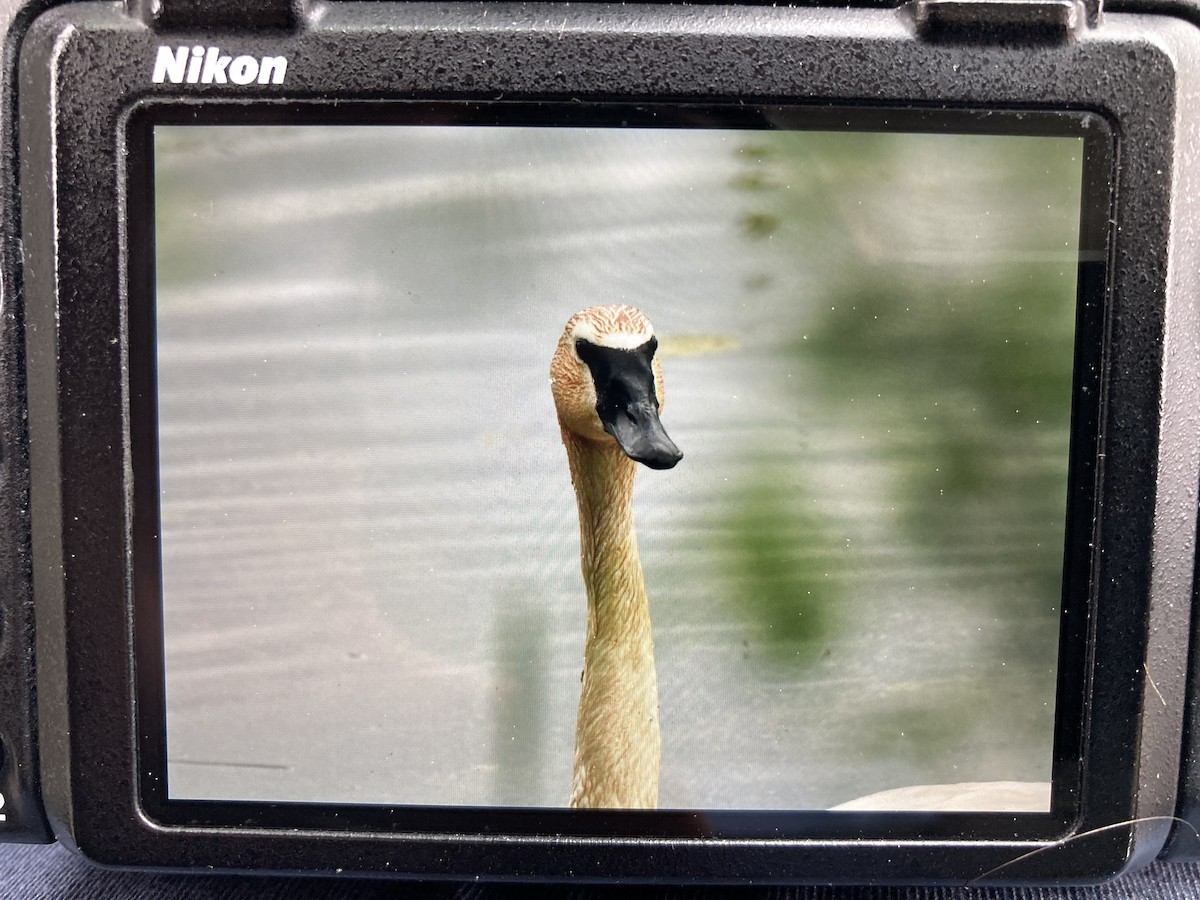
(579, 347)
(652, 344)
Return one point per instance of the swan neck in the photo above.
(603, 479)
(617, 733)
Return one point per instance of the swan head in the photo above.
(608, 385)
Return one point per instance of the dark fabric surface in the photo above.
(51, 873)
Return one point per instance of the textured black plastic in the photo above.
(20, 784)
(1184, 842)
(166, 15)
(92, 62)
(983, 21)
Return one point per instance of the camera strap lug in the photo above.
(1003, 21)
(166, 15)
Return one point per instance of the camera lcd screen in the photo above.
(371, 589)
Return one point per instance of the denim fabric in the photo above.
(53, 873)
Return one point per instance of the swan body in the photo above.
(607, 389)
(970, 796)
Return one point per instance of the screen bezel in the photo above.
(1081, 516)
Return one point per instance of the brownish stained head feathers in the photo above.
(618, 327)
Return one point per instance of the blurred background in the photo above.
(370, 544)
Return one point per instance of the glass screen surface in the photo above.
(372, 587)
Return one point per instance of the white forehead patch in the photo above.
(586, 331)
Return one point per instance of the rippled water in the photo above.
(371, 577)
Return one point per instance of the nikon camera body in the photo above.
(341, 344)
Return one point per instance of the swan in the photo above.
(608, 390)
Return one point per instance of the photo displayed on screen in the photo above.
(417, 383)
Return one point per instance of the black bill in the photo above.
(627, 402)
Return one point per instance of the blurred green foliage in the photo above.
(781, 559)
(934, 285)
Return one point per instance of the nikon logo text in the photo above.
(199, 65)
